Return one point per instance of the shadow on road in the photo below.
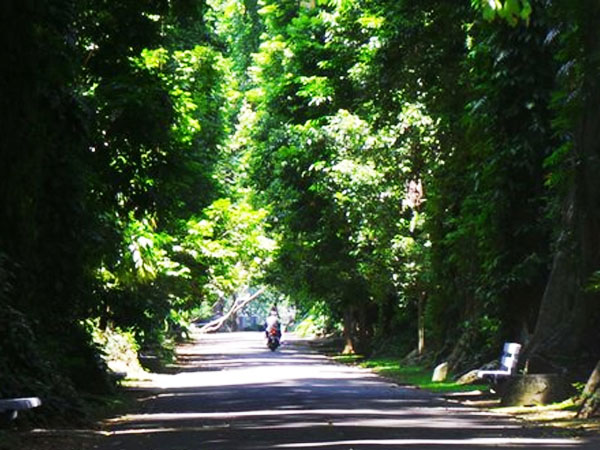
(230, 392)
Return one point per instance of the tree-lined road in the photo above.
(230, 392)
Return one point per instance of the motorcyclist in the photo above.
(272, 322)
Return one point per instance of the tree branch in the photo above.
(214, 325)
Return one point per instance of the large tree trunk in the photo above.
(349, 331)
(421, 323)
(569, 322)
(590, 398)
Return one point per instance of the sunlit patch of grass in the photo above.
(454, 387)
(409, 375)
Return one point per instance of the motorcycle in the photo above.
(273, 339)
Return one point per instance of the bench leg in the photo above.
(7, 416)
(499, 385)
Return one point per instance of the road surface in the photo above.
(231, 392)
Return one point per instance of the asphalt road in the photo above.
(231, 392)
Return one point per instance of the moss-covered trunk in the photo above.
(569, 318)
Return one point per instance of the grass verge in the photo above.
(417, 376)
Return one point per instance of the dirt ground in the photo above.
(552, 416)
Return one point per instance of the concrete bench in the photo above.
(508, 364)
(10, 407)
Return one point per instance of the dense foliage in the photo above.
(420, 173)
(113, 209)
(416, 156)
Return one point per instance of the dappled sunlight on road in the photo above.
(446, 443)
(257, 374)
(242, 361)
(230, 392)
(335, 417)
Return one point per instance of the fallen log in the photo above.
(214, 325)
